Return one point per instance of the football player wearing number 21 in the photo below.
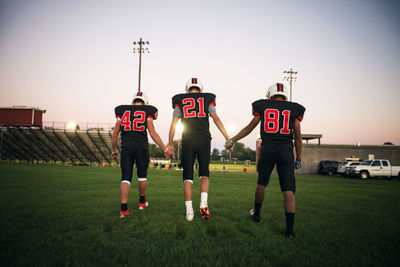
(193, 108)
(133, 121)
(280, 120)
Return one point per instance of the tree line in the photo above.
(240, 153)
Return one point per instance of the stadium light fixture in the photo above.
(290, 78)
(140, 50)
(71, 125)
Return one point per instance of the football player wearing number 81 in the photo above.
(133, 121)
(194, 109)
(280, 119)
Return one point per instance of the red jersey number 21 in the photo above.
(139, 117)
(271, 121)
(189, 108)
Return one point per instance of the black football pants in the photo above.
(196, 145)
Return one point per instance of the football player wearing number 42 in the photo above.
(133, 121)
(194, 109)
(280, 119)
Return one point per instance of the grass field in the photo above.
(68, 216)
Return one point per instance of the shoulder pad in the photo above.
(176, 100)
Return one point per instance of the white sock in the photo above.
(203, 199)
(189, 206)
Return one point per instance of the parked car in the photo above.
(375, 168)
(344, 167)
(328, 167)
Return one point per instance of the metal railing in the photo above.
(84, 126)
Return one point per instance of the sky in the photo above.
(74, 59)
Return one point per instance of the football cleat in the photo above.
(143, 205)
(189, 215)
(254, 218)
(289, 235)
(277, 89)
(205, 213)
(123, 214)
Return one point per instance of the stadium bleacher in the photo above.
(56, 145)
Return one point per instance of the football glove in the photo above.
(229, 144)
(297, 164)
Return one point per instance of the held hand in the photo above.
(169, 152)
(231, 149)
(297, 164)
(229, 144)
(172, 154)
(114, 154)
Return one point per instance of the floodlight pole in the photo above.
(179, 147)
(140, 50)
(290, 79)
(140, 63)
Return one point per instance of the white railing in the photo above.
(84, 126)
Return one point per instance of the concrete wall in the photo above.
(313, 154)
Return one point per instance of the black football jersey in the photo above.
(194, 107)
(277, 118)
(134, 123)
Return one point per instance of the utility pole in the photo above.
(290, 79)
(140, 50)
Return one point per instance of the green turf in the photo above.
(68, 216)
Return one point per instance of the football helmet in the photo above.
(194, 82)
(277, 89)
(142, 96)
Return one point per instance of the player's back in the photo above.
(277, 119)
(195, 115)
(133, 120)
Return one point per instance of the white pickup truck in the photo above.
(375, 168)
